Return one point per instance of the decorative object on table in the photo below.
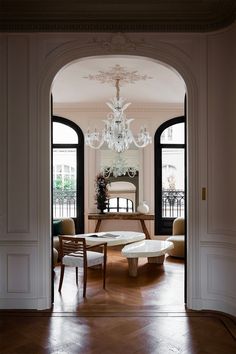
(143, 208)
(118, 168)
(101, 183)
(117, 133)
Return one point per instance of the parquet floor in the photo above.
(145, 315)
(155, 288)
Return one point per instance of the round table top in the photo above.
(147, 248)
(113, 238)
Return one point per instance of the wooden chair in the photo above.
(75, 253)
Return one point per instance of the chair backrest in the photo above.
(73, 246)
(178, 226)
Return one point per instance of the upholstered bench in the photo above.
(178, 250)
(178, 238)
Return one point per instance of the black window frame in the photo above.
(79, 219)
(163, 226)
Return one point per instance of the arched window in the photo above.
(170, 175)
(68, 171)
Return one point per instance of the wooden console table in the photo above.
(122, 216)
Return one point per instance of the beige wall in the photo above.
(152, 117)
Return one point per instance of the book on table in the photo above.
(106, 235)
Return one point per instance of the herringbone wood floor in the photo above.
(156, 287)
(144, 315)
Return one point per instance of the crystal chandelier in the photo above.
(119, 168)
(117, 133)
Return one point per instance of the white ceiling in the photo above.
(70, 86)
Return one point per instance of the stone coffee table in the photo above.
(154, 250)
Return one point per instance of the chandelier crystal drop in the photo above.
(119, 168)
(117, 133)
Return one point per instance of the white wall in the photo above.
(28, 63)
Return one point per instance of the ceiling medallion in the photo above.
(118, 72)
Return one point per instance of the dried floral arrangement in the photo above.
(101, 188)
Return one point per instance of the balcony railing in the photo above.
(64, 203)
(173, 203)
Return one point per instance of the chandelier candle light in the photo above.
(117, 133)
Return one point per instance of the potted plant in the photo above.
(101, 183)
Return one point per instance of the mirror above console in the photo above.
(126, 184)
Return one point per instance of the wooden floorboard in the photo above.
(145, 315)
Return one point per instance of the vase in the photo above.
(143, 208)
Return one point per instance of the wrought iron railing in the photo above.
(173, 203)
(64, 203)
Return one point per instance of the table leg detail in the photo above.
(158, 260)
(98, 225)
(133, 266)
(145, 230)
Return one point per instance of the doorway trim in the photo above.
(169, 55)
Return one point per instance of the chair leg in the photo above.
(104, 271)
(61, 277)
(85, 281)
(76, 275)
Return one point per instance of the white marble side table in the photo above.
(154, 250)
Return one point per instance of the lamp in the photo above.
(119, 168)
(117, 133)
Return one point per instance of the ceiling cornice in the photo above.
(114, 15)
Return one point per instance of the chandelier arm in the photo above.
(94, 146)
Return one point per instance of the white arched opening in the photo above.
(56, 60)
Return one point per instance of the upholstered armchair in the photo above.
(178, 238)
(65, 226)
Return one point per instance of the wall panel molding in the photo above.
(221, 135)
(218, 264)
(18, 267)
(18, 273)
(225, 287)
(18, 194)
(3, 132)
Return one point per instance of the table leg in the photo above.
(158, 260)
(145, 230)
(98, 225)
(133, 266)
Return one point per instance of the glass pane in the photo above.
(113, 202)
(63, 134)
(64, 184)
(173, 134)
(122, 202)
(173, 195)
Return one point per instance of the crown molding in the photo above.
(91, 16)
(114, 26)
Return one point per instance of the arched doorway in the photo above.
(161, 52)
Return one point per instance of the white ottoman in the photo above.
(154, 250)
